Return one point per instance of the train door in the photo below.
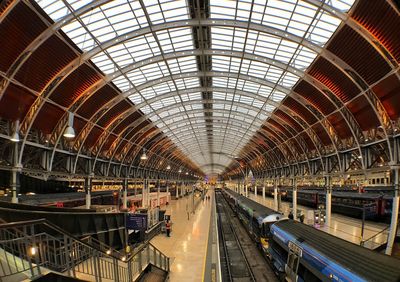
(293, 260)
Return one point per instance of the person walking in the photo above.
(168, 228)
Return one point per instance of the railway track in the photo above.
(241, 260)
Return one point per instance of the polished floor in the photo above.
(344, 227)
(188, 243)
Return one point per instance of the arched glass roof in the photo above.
(208, 76)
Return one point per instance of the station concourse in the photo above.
(255, 132)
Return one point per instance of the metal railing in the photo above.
(32, 247)
(377, 239)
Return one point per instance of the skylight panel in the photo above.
(343, 5)
(184, 83)
(277, 96)
(122, 83)
(136, 98)
(55, 9)
(184, 64)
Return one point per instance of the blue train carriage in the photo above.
(302, 253)
(258, 218)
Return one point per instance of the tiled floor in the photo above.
(189, 238)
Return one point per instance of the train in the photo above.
(371, 206)
(258, 217)
(374, 203)
(135, 201)
(298, 252)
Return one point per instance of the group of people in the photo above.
(206, 197)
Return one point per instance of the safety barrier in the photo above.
(28, 248)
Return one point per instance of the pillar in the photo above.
(395, 213)
(182, 188)
(255, 189)
(125, 193)
(192, 199)
(177, 189)
(158, 191)
(88, 190)
(294, 198)
(328, 204)
(246, 191)
(263, 190)
(279, 194)
(144, 200)
(276, 206)
(15, 173)
(166, 184)
(147, 193)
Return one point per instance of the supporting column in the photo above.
(125, 193)
(144, 200)
(15, 173)
(294, 198)
(246, 191)
(177, 189)
(255, 189)
(182, 189)
(88, 190)
(147, 193)
(279, 194)
(158, 191)
(193, 199)
(263, 190)
(276, 207)
(328, 203)
(395, 213)
(166, 184)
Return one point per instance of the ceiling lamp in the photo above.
(187, 173)
(143, 157)
(168, 167)
(15, 134)
(180, 170)
(69, 131)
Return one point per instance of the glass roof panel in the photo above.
(246, 86)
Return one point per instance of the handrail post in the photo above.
(130, 275)
(154, 256)
(116, 274)
(140, 261)
(66, 256)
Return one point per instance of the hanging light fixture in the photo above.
(15, 134)
(168, 167)
(180, 170)
(187, 173)
(143, 157)
(69, 131)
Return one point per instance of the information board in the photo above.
(136, 221)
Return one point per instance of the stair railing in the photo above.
(30, 246)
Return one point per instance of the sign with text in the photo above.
(136, 221)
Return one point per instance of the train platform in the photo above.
(189, 242)
(344, 227)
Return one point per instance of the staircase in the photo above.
(31, 249)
